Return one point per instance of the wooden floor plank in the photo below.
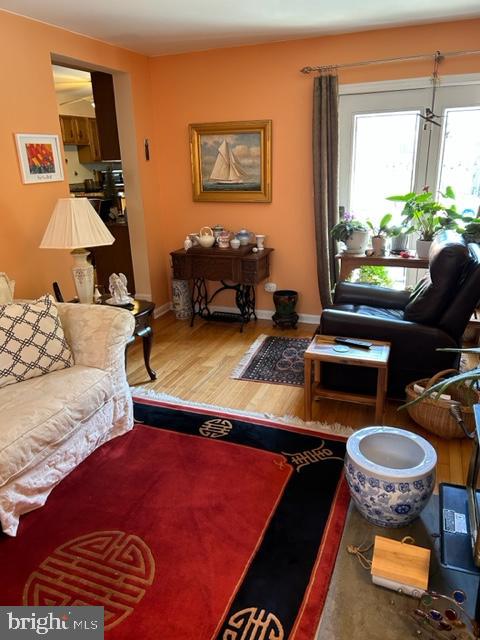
(196, 363)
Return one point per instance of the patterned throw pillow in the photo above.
(31, 341)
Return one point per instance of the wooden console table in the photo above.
(350, 262)
(240, 266)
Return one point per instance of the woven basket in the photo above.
(433, 413)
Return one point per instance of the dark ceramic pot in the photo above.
(285, 301)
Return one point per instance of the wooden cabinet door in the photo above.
(82, 130)
(94, 142)
(69, 129)
(90, 153)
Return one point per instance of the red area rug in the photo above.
(165, 526)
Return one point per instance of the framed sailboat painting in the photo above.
(232, 161)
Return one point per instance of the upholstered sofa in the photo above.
(50, 423)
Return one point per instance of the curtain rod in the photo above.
(363, 63)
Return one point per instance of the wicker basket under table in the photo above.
(433, 414)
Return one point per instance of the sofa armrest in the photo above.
(97, 334)
(359, 293)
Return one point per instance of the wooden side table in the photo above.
(238, 270)
(321, 349)
(142, 311)
(350, 262)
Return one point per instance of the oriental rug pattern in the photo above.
(274, 359)
(199, 523)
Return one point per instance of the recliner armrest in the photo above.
(353, 325)
(360, 293)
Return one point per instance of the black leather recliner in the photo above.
(434, 315)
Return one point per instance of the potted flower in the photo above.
(399, 239)
(426, 216)
(380, 235)
(353, 233)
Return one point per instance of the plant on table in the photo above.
(346, 227)
(383, 230)
(425, 215)
(352, 232)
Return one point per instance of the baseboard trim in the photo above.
(162, 310)
(266, 314)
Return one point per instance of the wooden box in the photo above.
(399, 565)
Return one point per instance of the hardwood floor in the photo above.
(196, 363)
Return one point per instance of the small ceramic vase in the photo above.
(194, 238)
(235, 243)
(217, 230)
(244, 236)
(223, 240)
(260, 240)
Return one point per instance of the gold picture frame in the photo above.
(231, 161)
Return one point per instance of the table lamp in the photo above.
(76, 225)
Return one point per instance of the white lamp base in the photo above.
(82, 272)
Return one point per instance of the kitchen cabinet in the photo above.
(74, 129)
(69, 129)
(90, 152)
(104, 98)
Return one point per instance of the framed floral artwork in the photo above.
(232, 161)
(39, 157)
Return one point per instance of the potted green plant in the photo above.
(380, 235)
(399, 239)
(423, 214)
(353, 233)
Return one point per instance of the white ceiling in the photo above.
(156, 27)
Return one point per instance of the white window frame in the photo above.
(377, 97)
(373, 102)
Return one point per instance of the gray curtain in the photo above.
(325, 179)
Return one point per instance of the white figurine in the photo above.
(117, 285)
(187, 243)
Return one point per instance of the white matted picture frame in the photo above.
(39, 157)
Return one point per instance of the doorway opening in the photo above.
(88, 121)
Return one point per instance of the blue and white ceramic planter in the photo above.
(390, 473)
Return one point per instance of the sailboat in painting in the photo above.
(227, 168)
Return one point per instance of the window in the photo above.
(386, 149)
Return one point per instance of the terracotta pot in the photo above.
(379, 246)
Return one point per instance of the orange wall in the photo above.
(263, 82)
(28, 105)
(259, 82)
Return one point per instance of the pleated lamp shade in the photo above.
(75, 225)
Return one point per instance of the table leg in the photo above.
(307, 389)
(381, 393)
(147, 336)
(346, 268)
(316, 371)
